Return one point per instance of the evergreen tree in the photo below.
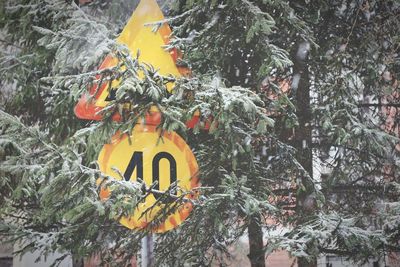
(289, 87)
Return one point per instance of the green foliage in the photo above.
(330, 232)
(251, 158)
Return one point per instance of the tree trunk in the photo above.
(257, 253)
(306, 202)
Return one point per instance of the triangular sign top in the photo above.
(136, 37)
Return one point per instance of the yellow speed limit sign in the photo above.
(162, 160)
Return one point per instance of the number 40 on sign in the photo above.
(165, 159)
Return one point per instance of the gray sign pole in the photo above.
(147, 251)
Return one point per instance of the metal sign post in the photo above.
(147, 251)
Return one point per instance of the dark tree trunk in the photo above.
(302, 140)
(77, 262)
(257, 253)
